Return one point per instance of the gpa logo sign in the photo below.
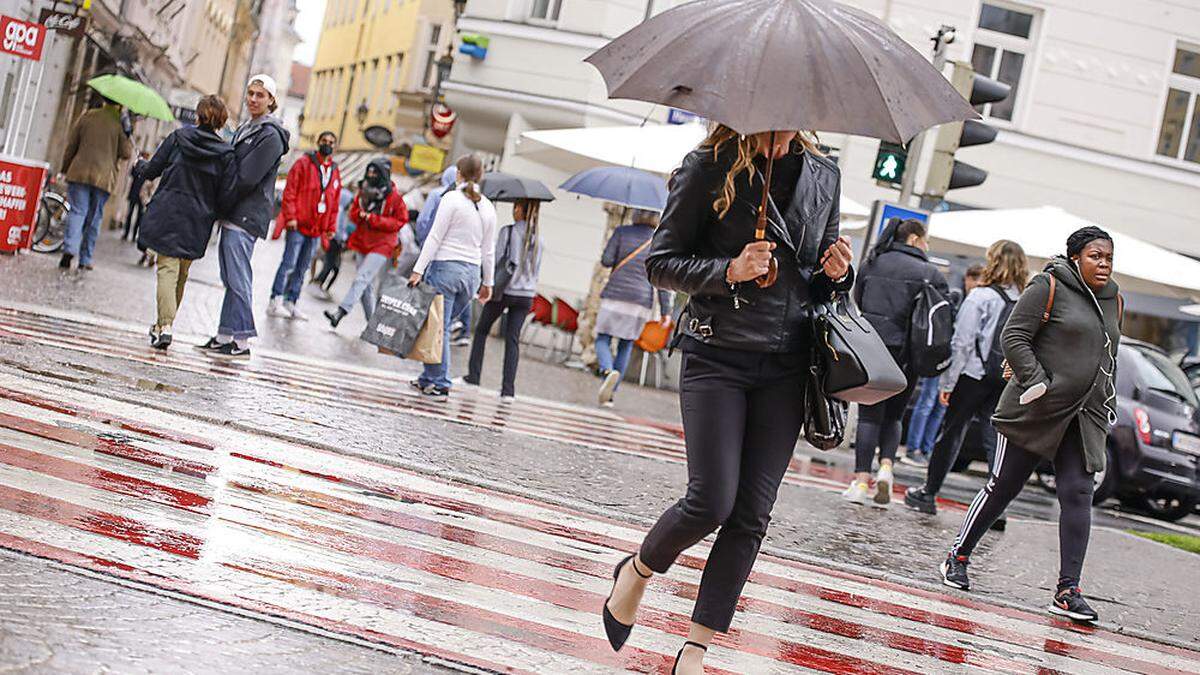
(21, 38)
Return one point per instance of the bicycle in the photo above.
(51, 226)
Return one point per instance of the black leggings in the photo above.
(331, 265)
(514, 310)
(742, 415)
(971, 397)
(880, 425)
(1013, 467)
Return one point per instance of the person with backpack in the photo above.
(927, 413)
(518, 262)
(627, 301)
(972, 384)
(1059, 404)
(894, 280)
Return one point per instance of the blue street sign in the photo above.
(677, 116)
(887, 211)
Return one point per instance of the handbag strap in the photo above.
(633, 255)
(1049, 300)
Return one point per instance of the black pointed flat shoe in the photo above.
(675, 668)
(618, 632)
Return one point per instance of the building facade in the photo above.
(1104, 120)
(375, 64)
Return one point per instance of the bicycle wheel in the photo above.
(50, 229)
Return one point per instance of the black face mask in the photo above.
(325, 149)
(376, 180)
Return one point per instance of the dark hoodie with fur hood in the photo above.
(198, 173)
(1074, 353)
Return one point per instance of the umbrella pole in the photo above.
(760, 231)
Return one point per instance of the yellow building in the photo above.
(376, 65)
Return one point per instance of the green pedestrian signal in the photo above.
(889, 163)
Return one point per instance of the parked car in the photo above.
(1154, 449)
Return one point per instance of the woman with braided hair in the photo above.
(1061, 345)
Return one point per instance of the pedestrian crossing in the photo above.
(471, 575)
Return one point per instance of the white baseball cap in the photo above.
(266, 82)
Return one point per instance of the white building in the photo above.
(277, 40)
(1104, 121)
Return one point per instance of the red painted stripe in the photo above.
(102, 479)
(128, 572)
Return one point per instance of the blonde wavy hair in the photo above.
(723, 139)
(1006, 265)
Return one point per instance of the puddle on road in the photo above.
(26, 368)
(142, 383)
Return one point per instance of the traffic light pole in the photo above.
(943, 39)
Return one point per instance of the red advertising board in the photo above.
(21, 38)
(21, 182)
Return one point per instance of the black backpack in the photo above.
(993, 361)
(930, 331)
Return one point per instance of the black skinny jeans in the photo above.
(742, 415)
(970, 397)
(1074, 486)
(515, 310)
(880, 424)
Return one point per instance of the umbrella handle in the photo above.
(760, 229)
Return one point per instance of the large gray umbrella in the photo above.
(764, 65)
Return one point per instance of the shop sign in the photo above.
(22, 38)
(21, 182)
(74, 25)
(427, 158)
(441, 120)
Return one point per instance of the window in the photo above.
(1179, 136)
(545, 10)
(395, 86)
(431, 56)
(1004, 39)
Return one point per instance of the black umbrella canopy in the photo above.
(766, 65)
(503, 187)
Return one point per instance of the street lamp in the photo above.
(361, 113)
(460, 6)
(444, 65)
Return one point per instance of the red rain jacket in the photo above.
(378, 232)
(302, 198)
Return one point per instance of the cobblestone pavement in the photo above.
(372, 512)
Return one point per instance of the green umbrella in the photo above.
(134, 95)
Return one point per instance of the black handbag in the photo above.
(855, 366)
(824, 417)
(506, 267)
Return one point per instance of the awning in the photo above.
(657, 148)
(1140, 266)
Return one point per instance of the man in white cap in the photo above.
(259, 144)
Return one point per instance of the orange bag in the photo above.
(655, 336)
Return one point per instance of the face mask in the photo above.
(376, 180)
(325, 149)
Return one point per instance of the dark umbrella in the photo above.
(621, 185)
(503, 187)
(765, 65)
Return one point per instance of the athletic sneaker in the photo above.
(211, 346)
(916, 458)
(917, 498)
(276, 308)
(161, 341)
(954, 572)
(883, 486)
(1001, 523)
(431, 391)
(461, 340)
(608, 386)
(857, 492)
(230, 351)
(508, 399)
(465, 382)
(608, 404)
(1069, 602)
(294, 311)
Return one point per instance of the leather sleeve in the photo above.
(822, 286)
(677, 261)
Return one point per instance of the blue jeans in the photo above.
(83, 223)
(458, 282)
(927, 416)
(237, 309)
(363, 288)
(298, 251)
(604, 354)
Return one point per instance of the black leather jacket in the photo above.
(693, 247)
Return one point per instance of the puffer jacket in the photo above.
(1074, 353)
(887, 286)
(693, 247)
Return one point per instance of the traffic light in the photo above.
(890, 162)
(947, 173)
(474, 46)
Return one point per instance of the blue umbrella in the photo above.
(621, 185)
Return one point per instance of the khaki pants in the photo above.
(172, 277)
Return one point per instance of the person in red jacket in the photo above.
(378, 212)
(309, 214)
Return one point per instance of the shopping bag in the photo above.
(400, 314)
(428, 347)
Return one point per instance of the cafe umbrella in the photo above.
(781, 65)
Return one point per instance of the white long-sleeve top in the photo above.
(462, 231)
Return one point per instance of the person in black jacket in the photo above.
(258, 144)
(133, 214)
(198, 171)
(886, 292)
(745, 348)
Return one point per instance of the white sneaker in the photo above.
(294, 311)
(883, 486)
(856, 493)
(507, 400)
(276, 308)
(611, 379)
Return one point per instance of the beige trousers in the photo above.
(172, 277)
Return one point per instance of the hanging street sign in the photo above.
(22, 38)
(427, 158)
(74, 25)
